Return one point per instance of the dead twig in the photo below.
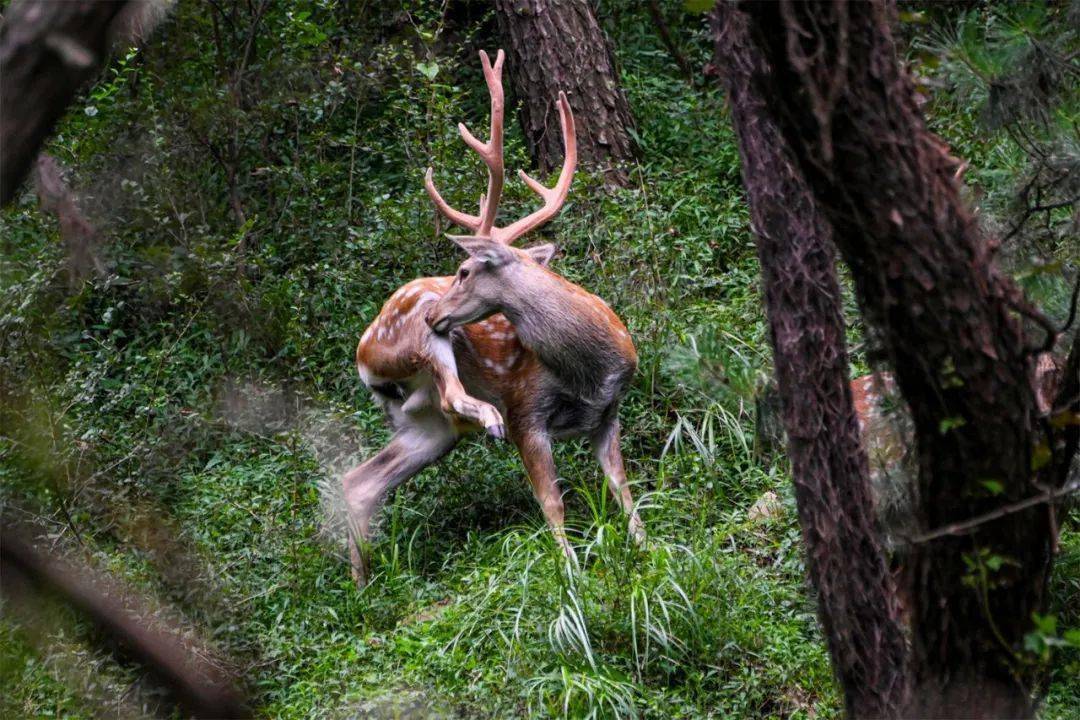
(967, 526)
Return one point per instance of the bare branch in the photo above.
(199, 685)
(967, 526)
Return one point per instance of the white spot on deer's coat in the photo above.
(427, 297)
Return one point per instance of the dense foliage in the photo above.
(256, 173)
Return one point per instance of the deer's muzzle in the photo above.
(439, 325)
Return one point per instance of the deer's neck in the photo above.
(572, 331)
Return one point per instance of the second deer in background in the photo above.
(503, 338)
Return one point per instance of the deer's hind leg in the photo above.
(421, 439)
(605, 443)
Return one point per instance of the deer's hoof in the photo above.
(497, 431)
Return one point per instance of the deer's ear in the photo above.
(542, 254)
(484, 249)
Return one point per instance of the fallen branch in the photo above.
(198, 685)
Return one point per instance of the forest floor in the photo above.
(183, 423)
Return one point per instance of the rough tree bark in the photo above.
(555, 45)
(845, 560)
(48, 50)
(948, 318)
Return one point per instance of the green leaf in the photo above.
(950, 423)
(1045, 624)
(1040, 456)
(1063, 419)
(1072, 637)
(428, 70)
(1050, 268)
(994, 486)
(698, 6)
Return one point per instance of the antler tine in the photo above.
(493, 154)
(554, 197)
(490, 152)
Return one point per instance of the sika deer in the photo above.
(504, 337)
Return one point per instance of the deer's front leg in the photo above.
(606, 446)
(453, 398)
(535, 450)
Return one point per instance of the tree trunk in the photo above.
(845, 560)
(48, 50)
(557, 45)
(948, 318)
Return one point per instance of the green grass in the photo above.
(711, 618)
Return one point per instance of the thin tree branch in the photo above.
(669, 42)
(199, 685)
(966, 526)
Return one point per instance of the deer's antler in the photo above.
(483, 225)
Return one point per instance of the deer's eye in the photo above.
(463, 273)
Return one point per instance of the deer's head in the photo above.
(495, 268)
(483, 282)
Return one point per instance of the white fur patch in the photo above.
(427, 297)
(369, 378)
(442, 352)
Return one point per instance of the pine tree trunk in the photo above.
(47, 51)
(845, 560)
(948, 319)
(555, 45)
